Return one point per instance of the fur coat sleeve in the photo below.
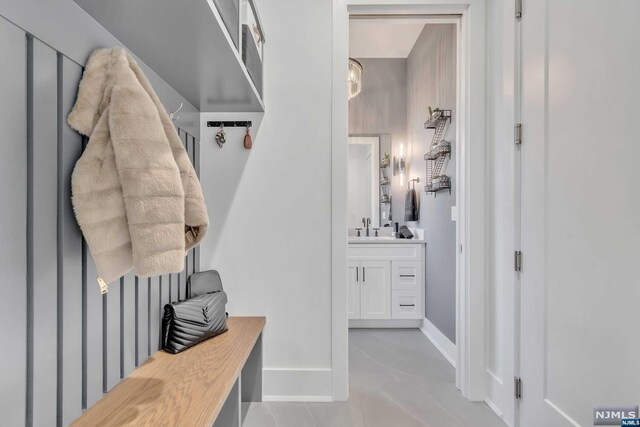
(135, 193)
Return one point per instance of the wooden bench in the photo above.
(202, 386)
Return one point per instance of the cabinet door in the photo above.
(353, 290)
(375, 289)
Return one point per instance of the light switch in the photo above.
(454, 213)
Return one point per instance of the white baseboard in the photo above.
(440, 341)
(493, 407)
(296, 385)
(321, 399)
(384, 323)
(494, 397)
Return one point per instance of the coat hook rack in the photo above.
(172, 115)
(230, 124)
(412, 183)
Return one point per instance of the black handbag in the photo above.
(202, 282)
(188, 322)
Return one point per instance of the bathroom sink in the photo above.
(372, 238)
(385, 236)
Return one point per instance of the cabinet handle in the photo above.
(407, 305)
(357, 270)
(407, 275)
(363, 276)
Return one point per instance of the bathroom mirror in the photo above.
(369, 181)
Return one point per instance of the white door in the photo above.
(375, 290)
(353, 292)
(580, 209)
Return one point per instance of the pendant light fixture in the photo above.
(355, 77)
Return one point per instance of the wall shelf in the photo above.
(440, 150)
(187, 44)
(437, 186)
(436, 119)
(439, 153)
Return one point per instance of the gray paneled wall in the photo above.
(431, 79)
(65, 343)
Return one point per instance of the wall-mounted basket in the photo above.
(440, 183)
(437, 117)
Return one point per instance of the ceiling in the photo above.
(378, 38)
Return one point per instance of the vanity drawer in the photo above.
(406, 275)
(406, 305)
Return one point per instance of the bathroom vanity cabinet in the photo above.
(386, 283)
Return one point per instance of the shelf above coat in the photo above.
(187, 44)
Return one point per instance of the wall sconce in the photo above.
(399, 164)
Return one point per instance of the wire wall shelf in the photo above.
(441, 150)
(385, 181)
(441, 183)
(439, 154)
(437, 118)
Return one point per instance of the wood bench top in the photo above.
(184, 389)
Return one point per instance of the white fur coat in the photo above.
(135, 193)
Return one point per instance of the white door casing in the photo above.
(471, 224)
(502, 286)
(580, 209)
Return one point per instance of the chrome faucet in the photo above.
(367, 224)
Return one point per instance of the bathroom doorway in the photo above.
(409, 169)
(401, 199)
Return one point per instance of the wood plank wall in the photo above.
(65, 344)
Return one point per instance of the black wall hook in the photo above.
(231, 124)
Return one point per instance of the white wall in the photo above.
(270, 207)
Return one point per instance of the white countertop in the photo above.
(419, 237)
(383, 240)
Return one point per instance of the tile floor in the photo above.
(397, 379)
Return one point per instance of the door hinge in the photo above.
(517, 134)
(518, 9)
(517, 387)
(518, 261)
